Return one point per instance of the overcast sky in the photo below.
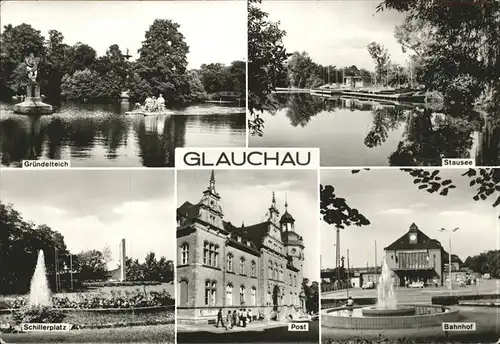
(94, 208)
(103, 23)
(390, 200)
(246, 196)
(336, 32)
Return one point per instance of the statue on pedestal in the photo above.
(32, 70)
(33, 104)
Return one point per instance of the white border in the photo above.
(212, 154)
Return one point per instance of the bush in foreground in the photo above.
(38, 315)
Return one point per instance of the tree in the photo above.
(486, 262)
(20, 241)
(107, 254)
(91, 265)
(163, 60)
(80, 57)
(196, 89)
(55, 64)
(381, 58)
(311, 292)
(302, 71)
(83, 85)
(17, 42)
(266, 57)
(471, 49)
(238, 75)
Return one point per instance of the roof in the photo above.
(423, 241)
(188, 211)
(256, 233)
(287, 218)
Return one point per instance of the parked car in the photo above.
(417, 284)
(368, 285)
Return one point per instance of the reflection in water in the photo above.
(352, 132)
(101, 136)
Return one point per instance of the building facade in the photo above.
(416, 257)
(220, 265)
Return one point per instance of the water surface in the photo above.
(351, 132)
(103, 136)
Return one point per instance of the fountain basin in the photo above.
(425, 316)
(383, 312)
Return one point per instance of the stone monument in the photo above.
(32, 104)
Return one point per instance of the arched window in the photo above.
(270, 270)
(242, 265)
(254, 297)
(242, 295)
(253, 269)
(230, 262)
(229, 295)
(185, 254)
(210, 291)
(291, 299)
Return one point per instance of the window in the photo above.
(229, 295)
(210, 291)
(281, 273)
(254, 297)
(291, 299)
(230, 262)
(290, 279)
(183, 291)
(185, 254)
(242, 295)
(210, 254)
(270, 270)
(242, 266)
(253, 270)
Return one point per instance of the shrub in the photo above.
(445, 300)
(38, 315)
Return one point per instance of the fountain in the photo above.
(39, 291)
(386, 298)
(387, 313)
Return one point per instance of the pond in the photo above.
(93, 135)
(352, 132)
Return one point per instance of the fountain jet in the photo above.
(385, 289)
(39, 291)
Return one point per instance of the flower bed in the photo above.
(116, 299)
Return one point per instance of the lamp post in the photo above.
(450, 232)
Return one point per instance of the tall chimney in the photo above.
(123, 267)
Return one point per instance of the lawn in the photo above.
(137, 334)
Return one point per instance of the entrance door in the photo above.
(276, 296)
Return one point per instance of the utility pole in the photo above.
(348, 278)
(376, 261)
(449, 255)
(328, 75)
(71, 269)
(337, 256)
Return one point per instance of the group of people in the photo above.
(235, 318)
(153, 104)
